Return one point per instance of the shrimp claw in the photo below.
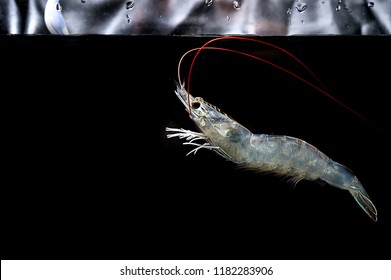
(191, 137)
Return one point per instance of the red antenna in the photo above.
(319, 88)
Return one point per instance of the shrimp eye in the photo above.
(195, 105)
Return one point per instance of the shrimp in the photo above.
(282, 155)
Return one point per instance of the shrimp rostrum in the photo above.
(282, 155)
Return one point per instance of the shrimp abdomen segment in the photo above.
(289, 156)
(286, 156)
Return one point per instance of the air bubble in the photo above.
(371, 4)
(208, 3)
(300, 7)
(129, 5)
(237, 5)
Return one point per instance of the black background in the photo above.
(90, 174)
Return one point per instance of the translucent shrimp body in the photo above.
(282, 155)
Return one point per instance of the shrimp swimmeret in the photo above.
(282, 155)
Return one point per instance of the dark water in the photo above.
(91, 174)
